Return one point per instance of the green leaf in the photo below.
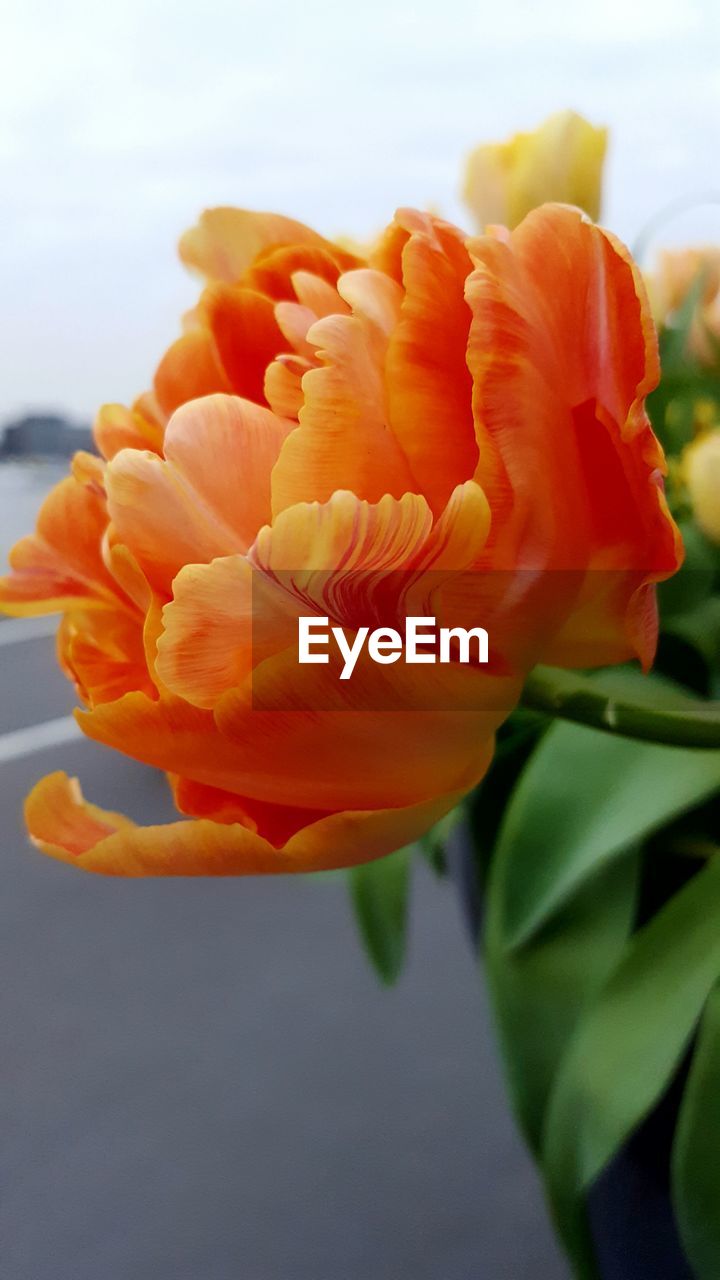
(696, 1151)
(432, 845)
(689, 648)
(620, 792)
(694, 579)
(582, 800)
(627, 1048)
(700, 628)
(379, 891)
(539, 992)
(516, 741)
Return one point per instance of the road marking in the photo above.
(15, 630)
(38, 737)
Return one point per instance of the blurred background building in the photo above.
(43, 435)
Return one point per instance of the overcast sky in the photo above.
(119, 123)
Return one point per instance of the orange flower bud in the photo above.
(455, 427)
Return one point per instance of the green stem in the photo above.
(568, 696)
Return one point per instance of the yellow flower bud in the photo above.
(701, 467)
(562, 161)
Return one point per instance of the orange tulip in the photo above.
(457, 424)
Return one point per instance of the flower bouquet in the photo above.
(387, 564)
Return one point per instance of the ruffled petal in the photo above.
(187, 508)
(276, 822)
(308, 755)
(246, 336)
(191, 367)
(351, 560)
(386, 736)
(429, 384)
(206, 644)
(102, 651)
(459, 537)
(226, 241)
(156, 513)
(343, 534)
(117, 428)
(316, 293)
(60, 566)
(294, 320)
(373, 295)
(232, 614)
(563, 352)
(273, 272)
(283, 385)
(343, 441)
(168, 734)
(65, 826)
(226, 448)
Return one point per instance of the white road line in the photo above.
(37, 737)
(15, 630)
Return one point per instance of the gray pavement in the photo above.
(203, 1081)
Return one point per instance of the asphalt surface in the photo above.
(203, 1080)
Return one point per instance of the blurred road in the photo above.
(203, 1081)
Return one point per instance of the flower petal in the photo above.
(186, 508)
(246, 336)
(316, 293)
(429, 383)
(563, 352)
(317, 758)
(377, 739)
(276, 822)
(343, 534)
(560, 374)
(274, 270)
(338, 558)
(373, 295)
(191, 367)
(343, 441)
(226, 448)
(206, 644)
(231, 614)
(60, 566)
(283, 385)
(103, 653)
(117, 428)
(226, 240)
(61, 823)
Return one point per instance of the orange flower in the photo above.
(458, 425)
